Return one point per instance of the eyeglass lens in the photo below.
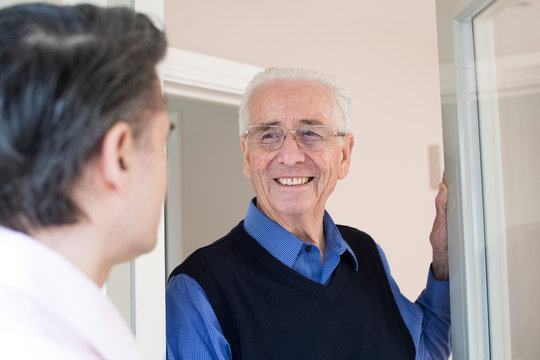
(313, 137)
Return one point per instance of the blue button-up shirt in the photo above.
(302, 257)
(194, 332)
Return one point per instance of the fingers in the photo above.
(439, 235)
(442, 198)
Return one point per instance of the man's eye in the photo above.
(270, 136)
(310, 133)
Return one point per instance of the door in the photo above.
(490, 90)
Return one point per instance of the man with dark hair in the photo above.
(82, 173)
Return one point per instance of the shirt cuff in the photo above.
(437, 293)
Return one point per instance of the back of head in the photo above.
(68, 74)
(340, 96)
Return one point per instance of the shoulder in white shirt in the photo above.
(49, 309)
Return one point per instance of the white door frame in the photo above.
(472, 337)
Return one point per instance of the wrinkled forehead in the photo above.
(290, 102)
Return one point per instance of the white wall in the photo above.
(385, 53)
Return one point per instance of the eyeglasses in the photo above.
(311, 137)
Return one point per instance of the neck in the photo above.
(306, 227)
(80, 246)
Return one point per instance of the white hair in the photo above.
(340, 95)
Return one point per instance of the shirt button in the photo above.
(308, 248)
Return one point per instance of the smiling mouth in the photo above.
(293, 181)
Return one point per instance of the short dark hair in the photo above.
(67, 75)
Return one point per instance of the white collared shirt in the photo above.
(49, 309)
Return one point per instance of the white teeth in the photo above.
(293, 181)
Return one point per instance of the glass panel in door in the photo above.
(507, 51)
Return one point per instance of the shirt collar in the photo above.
(334, 241)
(283, 245)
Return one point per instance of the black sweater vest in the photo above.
(268, 311)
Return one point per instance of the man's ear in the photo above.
(116, 158)
(246, 158)
(346, 150)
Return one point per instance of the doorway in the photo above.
(208, 193)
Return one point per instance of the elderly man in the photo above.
(287, 283)
(82, 173)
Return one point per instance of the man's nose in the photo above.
(290, 152)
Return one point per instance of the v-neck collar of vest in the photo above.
(327, 292)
